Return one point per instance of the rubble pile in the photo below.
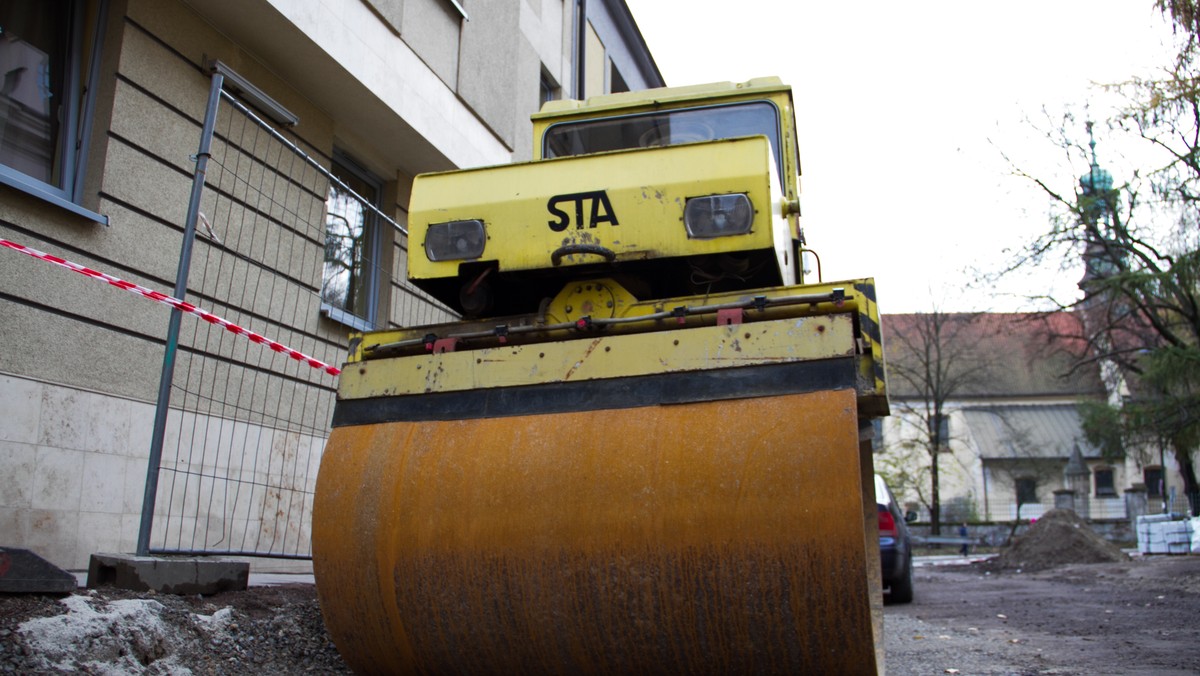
(1059, 537)
(267, 631)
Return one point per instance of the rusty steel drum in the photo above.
(715, 537)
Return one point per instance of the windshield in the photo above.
(667, 128)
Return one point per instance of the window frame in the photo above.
(1109, 491)
(1154, 489)
(941, 423)
(776, 143)
(1026, 486)
(78, 115)
(372, 250)
(548, 90)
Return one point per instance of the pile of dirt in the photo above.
(1059, 537)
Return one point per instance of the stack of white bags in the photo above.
(1168, 534)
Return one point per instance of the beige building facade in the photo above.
(1011, 432)
(102, 106)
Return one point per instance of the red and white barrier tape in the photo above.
(175, 303)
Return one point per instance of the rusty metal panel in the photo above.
(714, 537)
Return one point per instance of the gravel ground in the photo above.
(1135, 617)
(914, 647)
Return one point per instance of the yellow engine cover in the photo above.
(628, 202)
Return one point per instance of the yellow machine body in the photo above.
(615, 189)
(595, 330)
(611, 480)
(630, 202)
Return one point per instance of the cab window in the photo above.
(667, 128)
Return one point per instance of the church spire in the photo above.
(1096, 202)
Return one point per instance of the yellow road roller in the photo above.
(646, 446)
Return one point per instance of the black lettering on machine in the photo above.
(601, 210)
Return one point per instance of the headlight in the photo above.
(454, 241)
(718, 216)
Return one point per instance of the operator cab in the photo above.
(667, 192)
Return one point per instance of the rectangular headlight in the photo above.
(454, 241)
(718, 216)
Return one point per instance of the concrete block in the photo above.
(168, 575)
(1163, 534)
(22, 571)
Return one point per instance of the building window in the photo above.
(940, 428)
(1105, 485)
(547, 91)
(1153, 476)
(1026, 491)
(44, 61)
(349, 285)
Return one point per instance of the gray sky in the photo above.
(904, 110)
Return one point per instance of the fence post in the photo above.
(181, 277)
(1135, 503)
(1064, 498)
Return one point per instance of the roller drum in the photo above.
(710, 537)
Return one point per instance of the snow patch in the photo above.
(114, 637)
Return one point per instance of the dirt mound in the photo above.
(1059, 537)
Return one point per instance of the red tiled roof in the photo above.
(1021, 354)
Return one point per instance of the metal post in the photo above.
(1162, 471)
(580, 48)
(168, 366)
(85, 139)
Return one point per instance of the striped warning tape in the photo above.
(175, 303)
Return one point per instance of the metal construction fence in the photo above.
(1094, 508)
(240, 427)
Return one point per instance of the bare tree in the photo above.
(1140, 241)
(1139, 307)
(932, 357)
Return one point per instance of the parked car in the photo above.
(895, 546)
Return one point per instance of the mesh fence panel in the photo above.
(246, 426)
